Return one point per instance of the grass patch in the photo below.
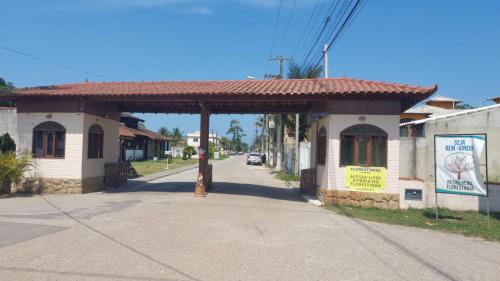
(285, 176)
(467, 223)
(148, 167)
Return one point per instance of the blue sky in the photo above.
(453, 43)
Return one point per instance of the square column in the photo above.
(201, 189)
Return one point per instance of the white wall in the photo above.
(111, 145)
(321, 170)
(8, 123)
(389, 123)
(68, 168)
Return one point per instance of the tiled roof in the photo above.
(443, 98)
(342, 86)
(432, 110)
(131, 133)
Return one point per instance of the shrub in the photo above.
(187, 152)
(7, 143)
(12, 169)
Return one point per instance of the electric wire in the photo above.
(21, 53)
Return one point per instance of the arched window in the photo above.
(363, 145)
(321, 152)
(49, 140)
(95, 143)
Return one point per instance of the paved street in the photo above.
(251, 227)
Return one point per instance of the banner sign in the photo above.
(457, 164)
(366, 179)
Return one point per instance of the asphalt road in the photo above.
(251, 227)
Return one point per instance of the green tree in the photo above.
(165, 132)
(7, 144)
(5, 87)
(296, 71)
(142, 126)
(236, 132)
(177, 135)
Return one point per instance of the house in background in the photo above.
(436, 106)
(193, 139)
(140, 144)
(495, 99)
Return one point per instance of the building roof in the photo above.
(7, 108)
(451, 115)
(443, 98)
(129, 115)
(432, 110)
(127, 132)
(236, 96)
(330, 86)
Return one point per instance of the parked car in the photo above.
(240, 153)
(254, 158)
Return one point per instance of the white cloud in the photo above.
(199, 11)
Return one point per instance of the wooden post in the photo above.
(200, 189)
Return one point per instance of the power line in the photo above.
(275, 28)
(319, 34)
(310, 35)
(48, 61)
(305, 29)
(346, 22)
(288, 24)
(276, 24)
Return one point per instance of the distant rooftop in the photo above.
(453, 114)
(443, 98)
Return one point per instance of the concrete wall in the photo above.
(389, 123)
(486, 121)
(332, 175)
(68, 168)
(412, 159)
(322, 178)
(111, 145)
(8, 122)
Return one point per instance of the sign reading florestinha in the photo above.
(367, 179)
(457, 164)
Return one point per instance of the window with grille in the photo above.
(363, 145)
(49, 140)
(95, 143)
(322, 141)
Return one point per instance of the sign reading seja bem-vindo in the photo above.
(458, 165)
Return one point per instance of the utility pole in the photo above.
(297, 145)
(325, 60)
(280, 60)
(279, 137)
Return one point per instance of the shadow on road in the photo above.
(230, 188)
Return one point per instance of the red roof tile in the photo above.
(131, 133)
(332, 86)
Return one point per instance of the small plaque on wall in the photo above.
(413, 194)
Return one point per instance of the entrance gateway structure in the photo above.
(72, 129)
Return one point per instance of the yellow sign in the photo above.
(367, 179)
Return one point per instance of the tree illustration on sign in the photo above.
(458, 163)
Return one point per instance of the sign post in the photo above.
(457, 165)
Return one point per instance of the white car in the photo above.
(254, 158)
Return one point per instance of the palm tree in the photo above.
(296, 71)
(237, 133)
(177, 135)
(165, 132)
